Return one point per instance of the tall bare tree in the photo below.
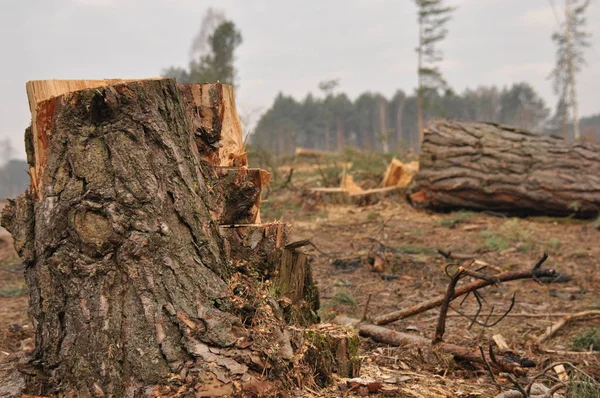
(571, 40)
(328, 87)
(433, 15)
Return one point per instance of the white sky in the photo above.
(289, 46)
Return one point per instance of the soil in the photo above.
(403, 242)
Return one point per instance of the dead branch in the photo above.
(533, 273)
(473, 318)
(305, 242)
(288, 180)
(364, 317)
(552, 329)
(391, 337)
(456, 256)
(505, 364)
(489, 368)
(564, 353)
(441, 325)
(518, 315)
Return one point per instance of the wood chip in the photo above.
(500, 342)
(561, 372)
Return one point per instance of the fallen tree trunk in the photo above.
(493, 167)
(135, 290)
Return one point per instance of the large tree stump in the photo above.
(492, 167)
(133, 289)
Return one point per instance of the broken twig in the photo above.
(393, 338)
(552, 329)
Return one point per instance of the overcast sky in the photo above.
(289, 46)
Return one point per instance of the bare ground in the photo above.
(411, 238)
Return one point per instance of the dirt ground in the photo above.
(347, 236)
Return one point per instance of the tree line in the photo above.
(374, 122)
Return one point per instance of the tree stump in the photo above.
(135, 287)
(487, 166)
(333, 349)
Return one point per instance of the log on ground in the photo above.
(487, 166)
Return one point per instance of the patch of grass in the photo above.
(456, 218)
(409, 249)
(495, 241)
(367, 167)
(13, 291)
(558, 220)
(373, 216)
(512, 232)
(580, 253)
(345, 298)
(582, 386)
(588, 338)
(277, 209)
(554, 244)
(525, 247)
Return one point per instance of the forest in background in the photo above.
(374, 122)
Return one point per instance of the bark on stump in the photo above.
(487, 166)
(133, 289)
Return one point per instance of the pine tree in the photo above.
(433, 15)
(571, 39)
(212, 52)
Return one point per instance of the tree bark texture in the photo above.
(493, 167)
(133, 291)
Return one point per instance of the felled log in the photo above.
(370, 197)
(312, 153)
(487, 166)
(340, 196)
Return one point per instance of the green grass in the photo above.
(373, 216)
(553, 244)
(456, 218)
(588, 338)
(582, 386)
(495, 242)
(525, 247)
(511, 233)
(345, 298)
(275, 210)
(367, 167)
(13, 291)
